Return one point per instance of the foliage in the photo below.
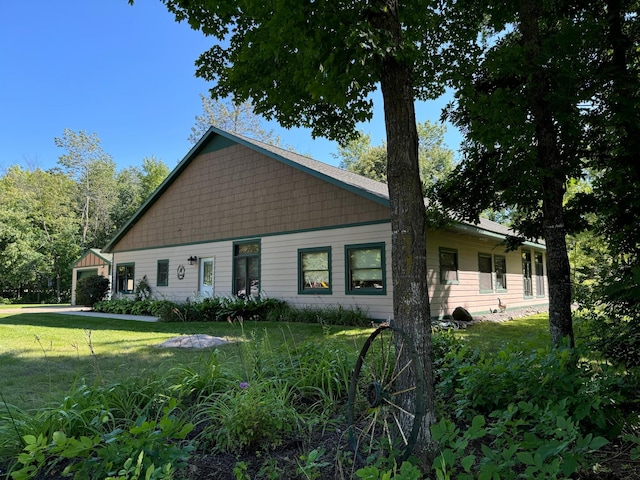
(45, 217)
(38, 233)
(134, 186)
(406, 471)
(250, 415)
(505, 420)
(435, 160)
(232, 117)
(90, 434)
(93, 171)
(523, 441)
(232, 308)
(522, 413)
(616, 339)
(91, 289)
(591, 391)
(143, 289)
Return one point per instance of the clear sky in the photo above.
(123, 72)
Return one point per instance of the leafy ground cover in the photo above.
(99, 399)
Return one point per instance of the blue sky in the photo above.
(123, 72)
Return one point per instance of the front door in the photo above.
(206, 277)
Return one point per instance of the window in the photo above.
(486, 272)
(539, 274)
(86, 273)
(314, 270)
(124, 278)
(246, 268)
(500, 264)
(448, 266)
(526, 273)
(365, 269)
(162, 278)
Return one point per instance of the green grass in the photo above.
(42, 356)
(530, 332)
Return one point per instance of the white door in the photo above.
(206, 277)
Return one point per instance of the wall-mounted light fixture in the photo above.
(192, 260)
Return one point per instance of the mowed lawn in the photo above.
(42, 355)
(529, 332)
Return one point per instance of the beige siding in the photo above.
(279, 270)
(466, 293)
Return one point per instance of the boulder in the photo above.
(462, 315)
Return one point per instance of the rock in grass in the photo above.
(193, 341)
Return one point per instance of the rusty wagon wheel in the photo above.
(386, 396)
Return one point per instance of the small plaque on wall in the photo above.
(180, 272)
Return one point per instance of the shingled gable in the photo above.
(356, 184)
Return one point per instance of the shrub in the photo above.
(91, 290)
(355, 317)
(251, 415)
(473, 384)
(617, 339)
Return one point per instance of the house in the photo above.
(92, 262)
(237, 216)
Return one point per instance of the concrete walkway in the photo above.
(81, 311)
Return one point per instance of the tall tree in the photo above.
(434, 159)
(233, 117)
(154, 171)
(314, 64)
(518, 103)
(94, 172)
(135, 185)
(38, 241)
(614, 140)
(359, 156)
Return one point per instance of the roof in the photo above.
(106, 257)
(366, 187)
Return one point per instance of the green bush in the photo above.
(91, 289)
(329, 315)
(234, 309)
(617, 339)
(251, 415)
(476, 384)
(98, 432)
(526, 441)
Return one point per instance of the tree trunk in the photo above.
(551, 176)
(408, 241)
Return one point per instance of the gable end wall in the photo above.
(236, 192)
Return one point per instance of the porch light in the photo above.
(192, 260)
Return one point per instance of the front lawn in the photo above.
(95, 396)
(43, 355)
